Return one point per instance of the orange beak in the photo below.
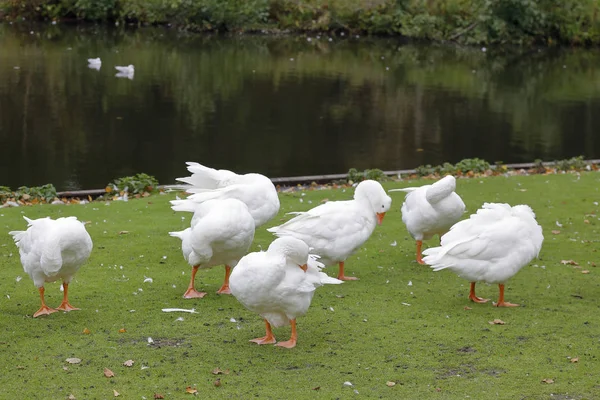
(380, 218)
(303, 267)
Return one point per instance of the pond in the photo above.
(282, 106)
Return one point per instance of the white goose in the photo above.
(491, 246)
(431, 209)
(334, 230)
(51, 250)
(94, 63)
(279, 285)
(129, 69)
(255, 190)
(125, 72)
(221, 233)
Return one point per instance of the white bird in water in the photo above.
(491, 246)
(125, 72)
(51, 250)
(94, 63)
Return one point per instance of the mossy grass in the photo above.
(399, 323)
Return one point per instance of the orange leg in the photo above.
(288, 344)
(419, 256)
(65, 306)
(473, 297)
(268, 338)
(501, 302)
(343, 277)
(225, 288)
(191, 293)
(44, 309)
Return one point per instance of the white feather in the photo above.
(255, 190)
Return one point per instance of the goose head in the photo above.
(371, 192)
(294, 250)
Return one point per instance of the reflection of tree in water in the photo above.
(282, 106)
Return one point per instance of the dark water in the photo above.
(279, 106)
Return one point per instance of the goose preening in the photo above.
(431, 209)
(491, 246)
(51, 250)
(221, 233)
(279, 285)
(255, 190)
(335, 230)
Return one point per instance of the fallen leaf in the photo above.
(86, 331)
(438, 389)
(316, 388)
(158, 396)
(568, 262)
(128, 363)
(123, 232)
(115, 393)
(390, 383)
(108, 373)
(218, 371)
(574, 359)
(585, 271)
(20, 367)
(548, 380)
(71, 397)
(586, 221)
(467, 308)
(555, 232)
(191, 390)
(73, 360)
(122, 330)
(217, 383)
(66, 368)
(496, 322)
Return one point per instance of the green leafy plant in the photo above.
(538, 166)
(5, 193)
(375, 174)
(424, 170)
(138, 183)
(571, 164)
(46, 193)
(472, 164)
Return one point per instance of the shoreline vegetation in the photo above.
(143, 185)
(480, 22)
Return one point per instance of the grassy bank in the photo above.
(399, 323)
(469, 22)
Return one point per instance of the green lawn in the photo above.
(399, 323)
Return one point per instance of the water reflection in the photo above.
(280, 106)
